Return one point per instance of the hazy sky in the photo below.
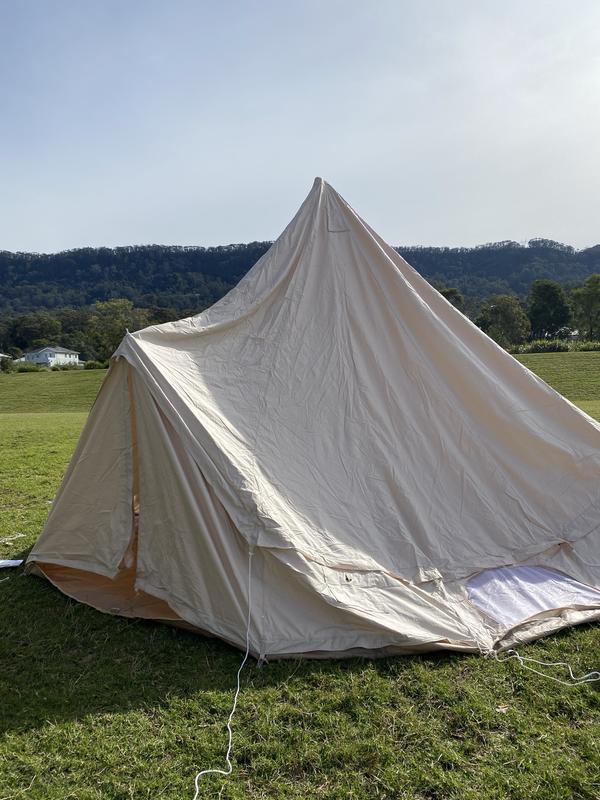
(193, 122)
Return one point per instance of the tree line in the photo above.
(548, 312)
(94, 331)
(185, 278)
(149, 276)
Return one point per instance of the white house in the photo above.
(5, 355)
(52, 357)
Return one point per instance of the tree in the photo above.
(109, 322)
(6, 324)
(586, 308)
(37, 327)
(80, 342)
(72, 320)
(548, 310)
(454, 296)
(74, 323)
(503, 318)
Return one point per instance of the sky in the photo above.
(446, 122)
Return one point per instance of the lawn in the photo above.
(94, 706)
(60, 391)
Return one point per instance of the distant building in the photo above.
(5, 355)
(52, 357)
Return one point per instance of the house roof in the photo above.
(56, 349)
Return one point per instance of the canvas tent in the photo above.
(402, 482)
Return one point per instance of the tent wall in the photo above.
(90, 524)
(350, 413)
(189, 553)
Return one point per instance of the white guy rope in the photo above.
(11, 538)
(589, 677)
(229, 769)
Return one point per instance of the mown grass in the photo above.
(576, 375)
(60, 391)
(93, 706)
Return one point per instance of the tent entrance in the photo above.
(512, 595)
(112, 595)
(116, 594)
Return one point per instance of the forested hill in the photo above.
(191, 278)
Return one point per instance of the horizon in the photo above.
(481, 246)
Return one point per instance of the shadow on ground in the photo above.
(62, 660)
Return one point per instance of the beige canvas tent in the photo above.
(402, 482)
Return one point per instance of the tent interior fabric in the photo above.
(401, 482)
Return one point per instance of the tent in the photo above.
(330, 460)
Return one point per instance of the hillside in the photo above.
(191, 278)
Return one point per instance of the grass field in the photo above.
(576, 375)
(59, 391)
(93, 706)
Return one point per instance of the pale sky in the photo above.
(195, 122)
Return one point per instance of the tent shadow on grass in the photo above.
(62, 660)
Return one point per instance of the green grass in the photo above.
(96, 707)
(576, 375)
(59, 391)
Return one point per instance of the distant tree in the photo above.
(454, 296)
(108, 323)
(550, 244)
(502, 317)
(586, 308)
(79, 341)
(159, 315)
(36, 328)
(5, 333)
(189, 279)
(548, 308)
(36, 344)
(72, 320)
